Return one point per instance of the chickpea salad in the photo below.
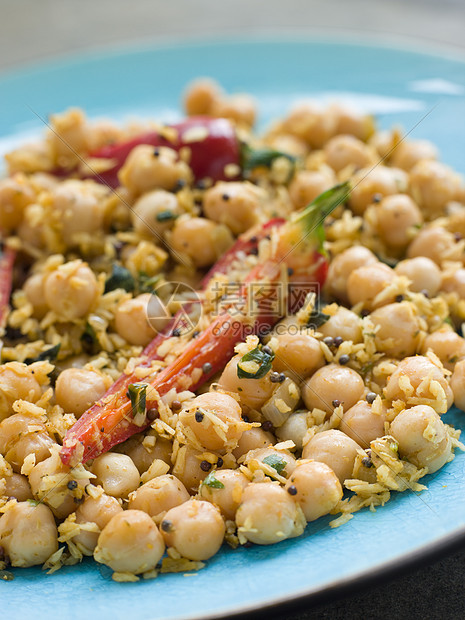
(210, 336)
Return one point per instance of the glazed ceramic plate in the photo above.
(425, 94)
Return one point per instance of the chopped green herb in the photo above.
(147, 284)
(394, 446)
(6, 575)
(317, 318)
(120, 278)
(89, 339)
(137, 393)
(33, 502)
(165, 216)
(260, 362)
(276, 462)
(49, 354)
(211, 481)
(254, 158)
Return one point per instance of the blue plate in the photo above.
(424, 93)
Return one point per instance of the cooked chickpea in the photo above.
(298, 355)
(396, 217)
(423, 274)
(308, 122)
(237, 205)
(158, 495)
(253, 393)
(267, 514)
(99, 510)
(345, 324)
(130, 542)
(437, 244)
(155, 212)
(457, 383)
(335, 449)
(71, 290)
(28, 534)
(15, 195)
(368, 183)
(15, 426)
(343, 265)
(228, 496)
(286, 143)
(68, 136)
(195, 529)
(16, 382)
(447, 345)
(422, 437)
(362, 424)
(285, 460)
(148, 168)
(188, 470)
(215, 420)
(316, 489)
(253, 439)
(418, 370)
(34, 290)
(240, 109)
(200, 96)
(352, 122)
(116, 473)
(365, 283)
(132, 320)
(294, 428)
(454, 282)
(409, 152)
(21, 435)
(201, 240)
(345, 150)
(398, 329)
(332, 382)
(433, 185)
(308, 184)
(143, 456)
(77, 389)
(17, 486)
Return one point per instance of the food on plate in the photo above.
(210, 335)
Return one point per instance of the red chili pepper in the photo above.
(110, 422)
(7, 259)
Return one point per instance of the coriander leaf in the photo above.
(262, 360)
(264, 157)
(137, 393)
(276, 462)
(165, 216)
(49, 354)
(317, 318)
(89, 339)
(147, 284)
(120, 278)
(211, 481)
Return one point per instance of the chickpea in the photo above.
(368, 183)
(37, 443)
(343, 265)
(116, 473)
(417, 369)
(253, 393)
(142, 456)
(267, 514)
(345, 324)
(423, 274)
(78, 207)
(457, 383)
(409, 152)
(396, 216)
(253, 439)
(130, 542)
(77, 389)
(352, 122)
(103, 133)
(308, 184)
(16, 382)
(15, 426)
(454, 282)
(318, 489)
(99, 510)
(437, 244)
(398, 329)
(201, 240)
(71, 290)
(294, 428)
(227, 497)
(147, 168)
(287, 143)
(298, 355)
(132, 320)
(155, 212)
(447, 345)
(158, 495)
(345, 150)
(240, 109)
(34, 290)
(68, 136)
(187, 468)
(15, 195)
(335, 449)
(237, 205)
(17, 486)
(28, 534)
(361, 424)
(195, 529)
(422, 437)
(200, 96)
(264, 455)
(332, 382)
(311, 124)
(365, 283)
(433, 185)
